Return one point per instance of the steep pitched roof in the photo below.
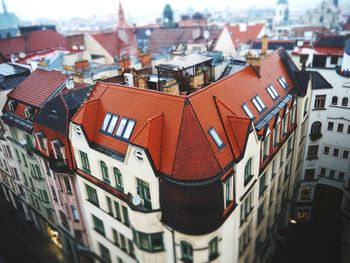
(174, 124)
(38, 87)
(43, 40)
(111, 42)
(244, 34)
(12, 45)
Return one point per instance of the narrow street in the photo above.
(21, 243)
(318, 240)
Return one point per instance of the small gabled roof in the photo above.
(38, 87)
(318, 81)
(242, 34)
(111, 42)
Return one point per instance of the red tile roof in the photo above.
(35, 41)
(38, 87)
(113, 44)
(320, 30)
(251, 33)
(175, 128)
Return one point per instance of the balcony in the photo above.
(58, 166)
(315, 136)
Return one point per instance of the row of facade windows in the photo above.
(320, 101)
(310, 174)
(344, 101)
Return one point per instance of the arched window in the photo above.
(118, 179)
(316, 127)
(213, 248)
(248, 171)
(104, 171)
(306, 106)
(29, 145)
(344, 102)
(186, 252)
(334, 100)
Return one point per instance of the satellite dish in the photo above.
(70, 83)
(136, 200)
(206, 34)
(148, 32)
(22, 55)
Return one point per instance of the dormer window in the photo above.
(41, 139)
(273, 93)
(258, 103)
(125, 128)
(12, 105)
(58, 149)
(109, 123)
(29, 111)
(247, 111)
(283, 82)
(219, 143)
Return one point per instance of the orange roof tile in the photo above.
(247, 35)
(175, 128)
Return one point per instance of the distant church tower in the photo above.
(122, 24)
(282, 12)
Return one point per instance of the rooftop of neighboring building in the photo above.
(11, 75)
(275, 44)
(245, 33)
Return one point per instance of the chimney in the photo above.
(345, 67)
(264, 45)
(254, 62)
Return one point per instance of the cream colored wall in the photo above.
(225, 44)
(96, 49)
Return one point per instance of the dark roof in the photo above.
(302, 79)
(58, 111)
(26, 29)
(347, 47)
(273, 45)
(319, 82)
(12, 75)
(331, 41)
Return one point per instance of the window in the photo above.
(283, 82)
(345, 154)
(244, 239)
(109, 205)
(125, 128)
(186, 251)
(57, 148)
(12, 105)
(258, 103)
(18, 157)
(276, 134)
(262, 184)
(331, 174)
(105, 255)
(284, 125)
(215, 136)
(334, 60)
(117, 211)
(330, 126)
(228, 191)
(261, 213)
(320, 101)
(92, 195)
(305, 193)
(323, 172)
(246, 206)
(85, 161)
(266, 147)
(75, 213)
(126, 216)
(213, 248)
(344, 102)
(273, 93)
(116, 237)
(98, 225)
(335, 152)
(340, 127)
(306, 106)
(334, 100)
(118, 179)
(312, 152)
(348, 129)
(248, 171)
(67, 184)
(109, 123)
(341, 176)
(326, 150)
(148, 242)
(14, 133)
(309, 174)
(247, 111)
(292, 116)
(273, 168)
(144, 192)
(104, 170)
(316, 127)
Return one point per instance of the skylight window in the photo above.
(219, 143)
(109, 123)
(283, 82)
(258, 103)
(247, 111)
(125, 128)
(273, 93)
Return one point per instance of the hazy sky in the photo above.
(134, 9)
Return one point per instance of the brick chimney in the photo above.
(264, 45)
(146, 59)
(254, 62)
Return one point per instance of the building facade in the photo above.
(204, 177)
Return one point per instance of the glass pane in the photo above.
(121, 127)
(106, 121)
(256, 104)
(128, 130)
(216, 137)
(247, 110)
(112, 124)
